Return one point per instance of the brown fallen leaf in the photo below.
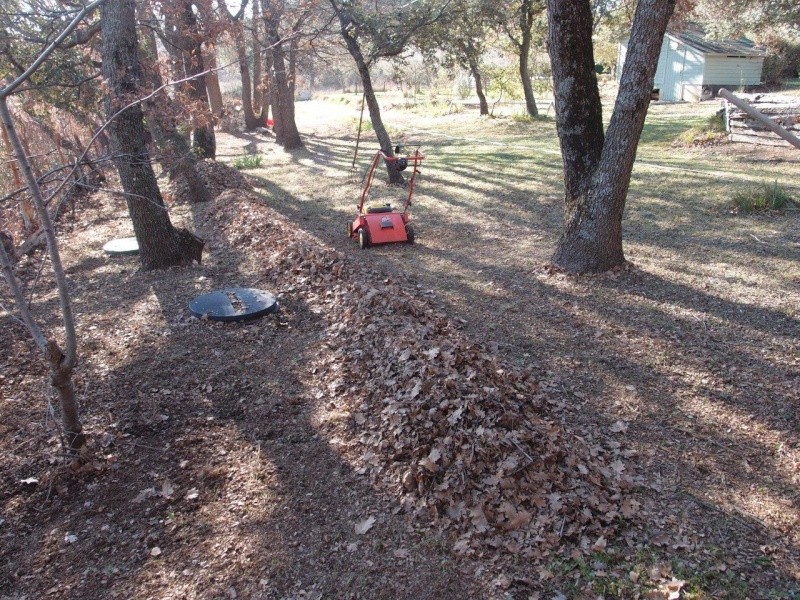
(629, 507)
(519, 520)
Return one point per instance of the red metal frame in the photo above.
(385, 227)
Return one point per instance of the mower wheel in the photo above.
(363, 238)
(349, 229)
(410, 233)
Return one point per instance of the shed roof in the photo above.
(695, 38)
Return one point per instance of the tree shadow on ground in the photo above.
(599, 335)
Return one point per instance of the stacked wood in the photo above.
(784, 110)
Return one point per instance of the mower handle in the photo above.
(413, 159)
(416, 157)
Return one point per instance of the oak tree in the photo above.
(161, 245)
(598, 164)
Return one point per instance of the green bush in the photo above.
(248, 161)
(767, 196)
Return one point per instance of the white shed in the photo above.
(691, 67)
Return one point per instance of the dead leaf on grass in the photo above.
(167, 489)
(144, 495)
(364, 526)
(667, 591)
(600, 544)
(619, 427)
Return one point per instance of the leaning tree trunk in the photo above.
(160, 244)
(476, 75)
(354, 49)
(597, 171)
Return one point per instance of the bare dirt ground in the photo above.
(263, 461)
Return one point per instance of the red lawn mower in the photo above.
(382, 224)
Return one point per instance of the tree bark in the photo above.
(160, 244)
(476, 75)
(212, 81)
(250, 120)
(526, 24)
(597, 169)
(293, 64)
(204, 141)
(286, 133)
(353, 47)
(266, 89)
(258, 51)
(176, 156)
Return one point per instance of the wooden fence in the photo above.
(784, 110)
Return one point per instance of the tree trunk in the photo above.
(212, 81)
(526, 23)
(354, 49)
(597, 171)
(176, 156)
(266, 89)
(476, 75)
(26, 210)
(257, 53)
(182, 40)
(286, 133)
(61, 380)
(61, 363)
(204, 141)
(160, 244)
(250, 120)
(293, 64)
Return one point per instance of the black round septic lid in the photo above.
(122, 247)
(233, 304)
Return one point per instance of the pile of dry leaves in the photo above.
(439, 422)
(217, 176)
